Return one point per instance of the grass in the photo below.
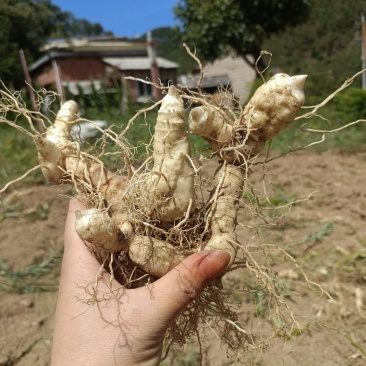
(337, 113)
(14, 360)
(8, 210)
(189, 357)
(18, 153)
(318, 235)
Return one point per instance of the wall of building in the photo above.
(165, 75)
(45, 76)
(80, 68)
(92, 68)
(240, 74)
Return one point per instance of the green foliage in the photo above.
(346, 107)
(190, 357)
(170, 45)
(24, 24)
(39, 276)
(318, 235)
(27, 24)
(17, 154)
(280, 197)
(138, 137)
(327, 46)
(66, 25)
(15, 210)
(107, 99)
(353, 102)
(217, 28)
(261, 297)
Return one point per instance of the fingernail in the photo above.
(213, 264)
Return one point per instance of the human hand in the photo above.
(125, 327)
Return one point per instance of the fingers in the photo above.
(78, 261)
(173, 292)
(70, 233)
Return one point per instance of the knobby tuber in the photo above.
(171, 181)
(271, 109)
(147, 220)
(154, 217)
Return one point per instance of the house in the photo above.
(231, 73)
(88, 62)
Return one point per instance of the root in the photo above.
(151, 227)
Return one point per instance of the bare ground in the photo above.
(326, 234)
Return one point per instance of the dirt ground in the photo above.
(326, 234)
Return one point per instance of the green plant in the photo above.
(190, 357)
(17, 154)
(318, 235)
(39, 213)
(39, 276)
(280, 197)
(9, 210)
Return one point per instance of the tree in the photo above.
(216, 28)
(27, 24)
(170, 45)
(66, 25)
(327, 46)
(23, 24)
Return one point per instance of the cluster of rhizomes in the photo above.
(165, 197)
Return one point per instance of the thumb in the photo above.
(183, 283)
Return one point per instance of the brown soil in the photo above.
(327, 233)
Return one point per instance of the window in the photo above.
(144, 91)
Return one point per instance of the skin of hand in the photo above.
(124, 327)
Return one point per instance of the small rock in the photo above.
(345, 312)
(356, 356)
(4, 360)
(288, 273)
(39, 322)
(323, 271)
(28, 302)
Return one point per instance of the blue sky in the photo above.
(126, 18)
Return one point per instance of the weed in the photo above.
(189, 357)
(37, 277)
(257, 295)
(40, 213)
(281, 197)
(9, 210)
(12, 361)
(355, 263)
(337, 112)
(318, 235)
(355, 343)
(361, 241)
(17, 154)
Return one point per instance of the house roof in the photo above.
(138, 63)
(90, 46)
(93, 44)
